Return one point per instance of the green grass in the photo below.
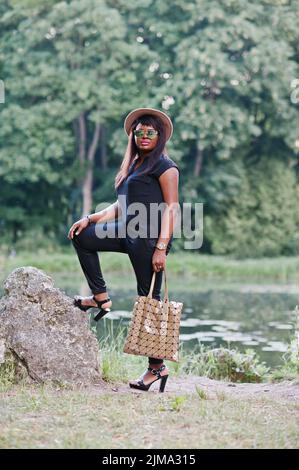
(289, 370)
(47, 417)
(225, 364)
(191, 265)
(219, 364)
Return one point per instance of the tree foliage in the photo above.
(225, 73)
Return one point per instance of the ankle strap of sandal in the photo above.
(101, 302)
(157, 371)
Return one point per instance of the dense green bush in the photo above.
(290, 367)
(261, 218)
(226, 364)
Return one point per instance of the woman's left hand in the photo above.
(159, 260)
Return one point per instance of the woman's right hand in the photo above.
(77, 227)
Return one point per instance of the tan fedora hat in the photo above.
(136, 113)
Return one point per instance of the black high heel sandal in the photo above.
(101, 313)
(141, 385)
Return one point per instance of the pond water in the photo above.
(258, 317)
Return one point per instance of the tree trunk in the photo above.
(198, 162)
(82, 138)
(88, 179)
(103, 149)
(87, 192)
(86, 159)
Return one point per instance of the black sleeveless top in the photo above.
(145, 189)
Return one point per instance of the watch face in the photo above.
(161, 245)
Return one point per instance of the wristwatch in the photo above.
(161, 246)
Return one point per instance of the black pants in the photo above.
(140, 251)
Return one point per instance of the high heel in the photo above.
(100, 314)
(163, 383)
(141, 385)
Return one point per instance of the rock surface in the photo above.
(47, 336)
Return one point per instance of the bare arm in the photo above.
(111, 212)
(169, 181)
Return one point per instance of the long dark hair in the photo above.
(132, 150)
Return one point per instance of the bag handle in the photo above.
(150, 294)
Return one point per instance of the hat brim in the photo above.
(136, 113)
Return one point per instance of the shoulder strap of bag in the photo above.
(150, 294)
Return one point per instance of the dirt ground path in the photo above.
(283, 391)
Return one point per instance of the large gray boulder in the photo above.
(41, 331)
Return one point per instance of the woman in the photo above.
(147, 176)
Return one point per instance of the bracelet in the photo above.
(89, 219)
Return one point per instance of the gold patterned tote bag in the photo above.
(154, 327)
